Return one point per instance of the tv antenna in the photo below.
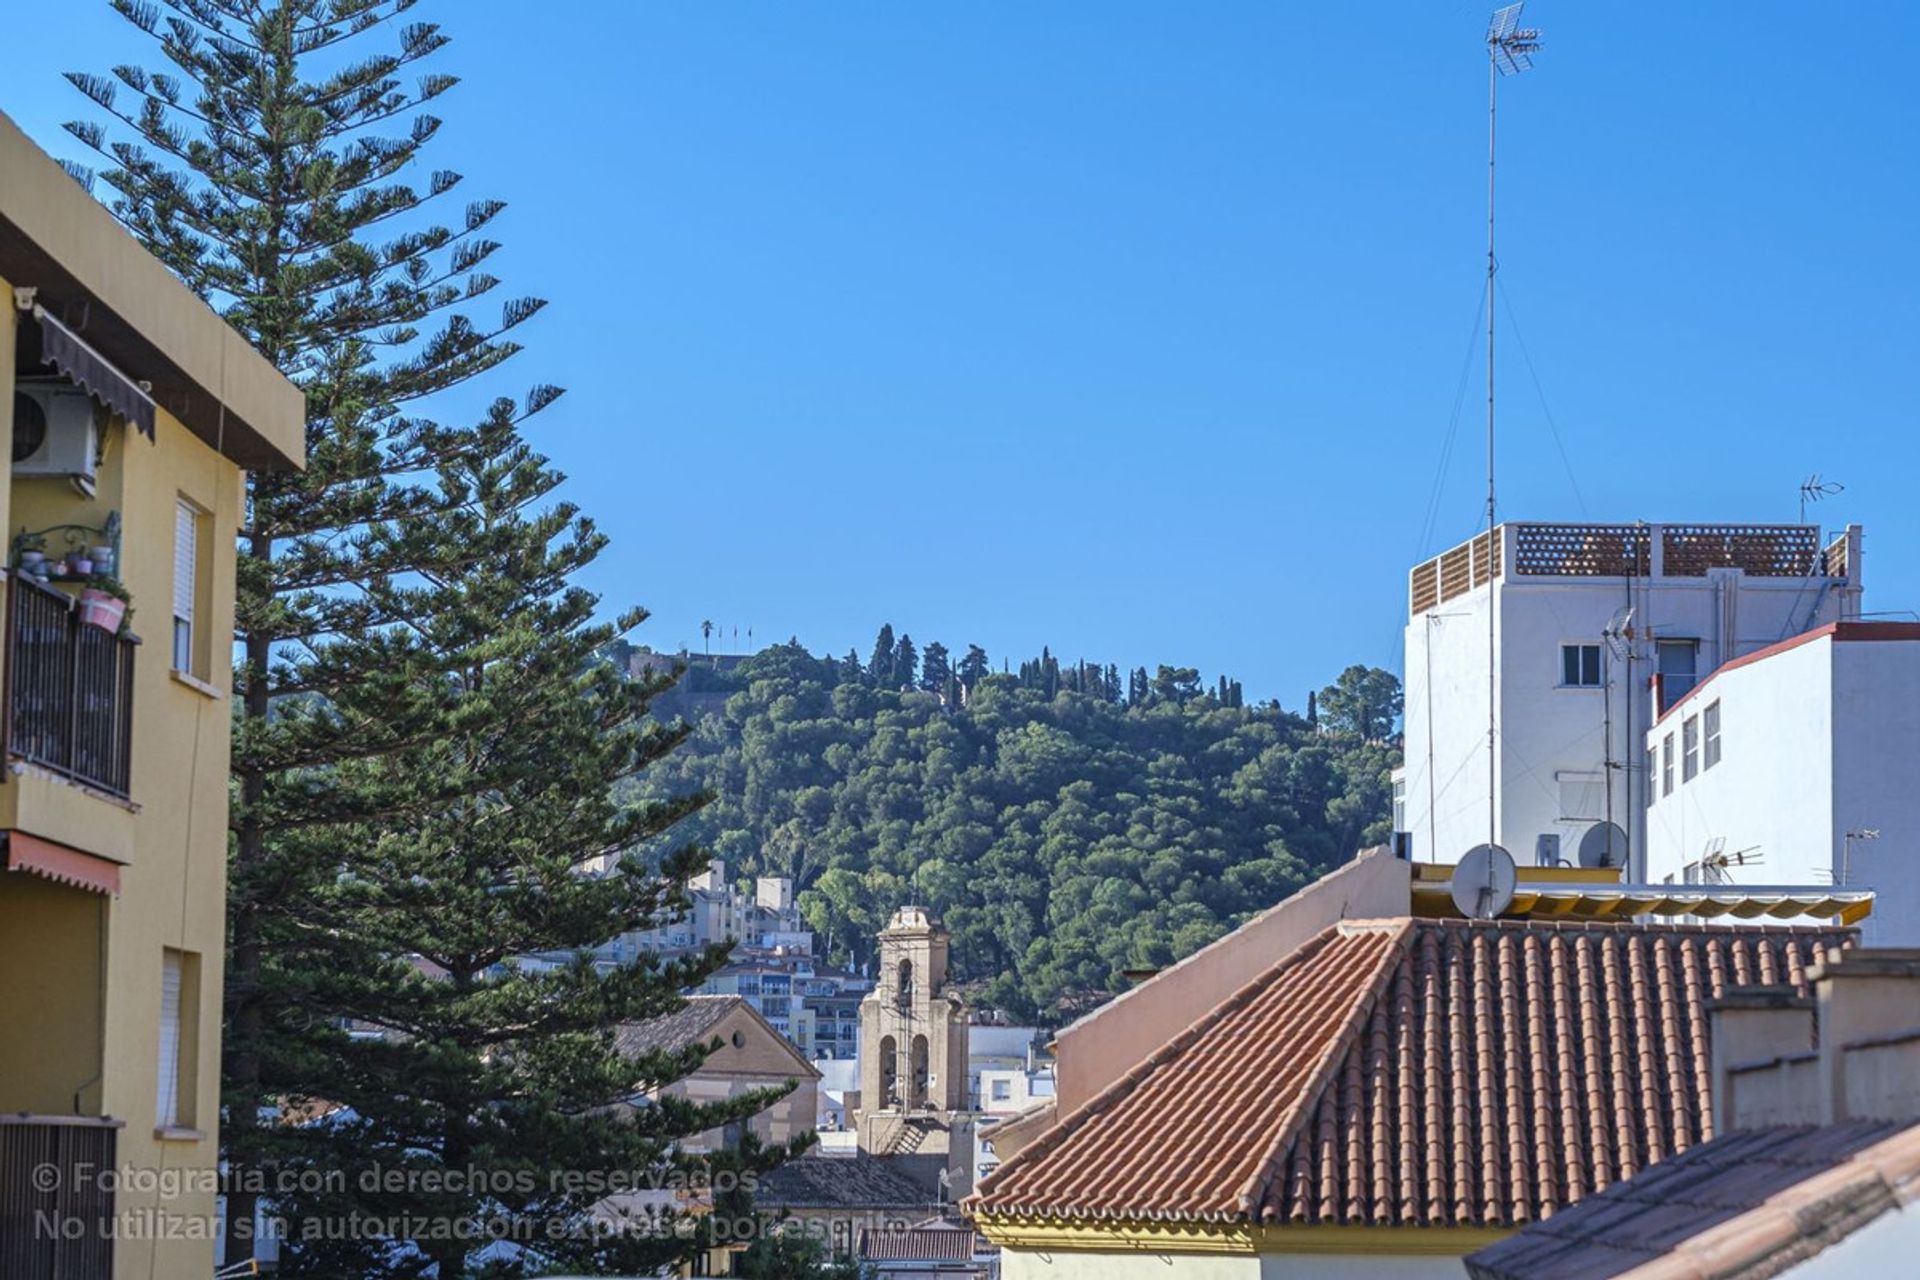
(1484, 882)
(1856, 836)
(1510, 50)
(1715, 861)
(1618, 637)
(1814, 488)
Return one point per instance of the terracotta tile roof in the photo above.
(918, 1244)
(1413, 1073)
(691, 1024)
(1754, 1203)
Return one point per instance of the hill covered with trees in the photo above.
(1068, 822)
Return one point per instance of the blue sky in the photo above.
(1135, 329)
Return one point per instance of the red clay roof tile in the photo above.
(1413, 1073)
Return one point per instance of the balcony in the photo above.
(56, 1218)
(69, 689)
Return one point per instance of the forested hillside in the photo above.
(1067, 823)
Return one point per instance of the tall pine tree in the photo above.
(423, 746)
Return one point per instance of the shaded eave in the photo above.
(92, 275)
(1172, 1236)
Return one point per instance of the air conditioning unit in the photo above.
(55, 432)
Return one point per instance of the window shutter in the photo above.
(167, 1098)
(186, 559)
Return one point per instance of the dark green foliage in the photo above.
(1064, 837)
(428, 723)
(935, 672)
(906, 665)
(1364, 700)
(974, 667)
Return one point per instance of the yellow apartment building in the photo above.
(131, 411)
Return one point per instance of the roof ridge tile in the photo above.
(1307, 1100)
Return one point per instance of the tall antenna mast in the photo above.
(1510, 50)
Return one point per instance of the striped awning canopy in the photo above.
(1432, 899)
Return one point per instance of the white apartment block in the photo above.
(1595, 626)
(1776, 768)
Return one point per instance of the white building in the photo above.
(1586, 619)
(1773, 770)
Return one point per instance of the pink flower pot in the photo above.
(98, 609)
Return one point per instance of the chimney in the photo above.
(1747, 1025)
(1860, 995)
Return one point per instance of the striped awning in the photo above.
(66, 351)
(1434, 900)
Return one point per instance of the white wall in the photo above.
(1551, 737)
(1771, 792)
(1816, 740)
(1876, 781)
(1023, 1264)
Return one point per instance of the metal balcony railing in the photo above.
(69, 689)
(56, 1215)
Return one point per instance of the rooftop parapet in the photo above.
(1537, 550)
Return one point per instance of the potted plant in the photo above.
(32, 550)
(103, 603)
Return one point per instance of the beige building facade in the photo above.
(129, 410)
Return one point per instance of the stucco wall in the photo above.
(1771, 790)
(51, 953)
(1876, 716)
(1816, 740)
(171, 838)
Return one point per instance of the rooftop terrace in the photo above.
(1625, 551)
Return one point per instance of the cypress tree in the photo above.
(935, 668)
(973, 667)
(424, 747)
(880, 665)
(906, 664)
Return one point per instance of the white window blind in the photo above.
(167, 1099)
(186, 576)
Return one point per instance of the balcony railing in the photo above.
(56, 1215)
(69, 689)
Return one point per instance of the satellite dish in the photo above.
(1604, 845)
(1619, 632)
(1484, 882)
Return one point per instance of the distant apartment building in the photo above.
(1595, 629)
(1794, 764)
(719, 911)
(131, 411)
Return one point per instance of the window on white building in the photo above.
(1666, 766)
(1679, 666)
(1710, 721)
(1002, 1090)
(1580, 666)
(1399, 804)
(1689, 748)
(1653, 771)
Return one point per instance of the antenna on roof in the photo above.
(1813, 489)
(1618, 635)
(1510, 50)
